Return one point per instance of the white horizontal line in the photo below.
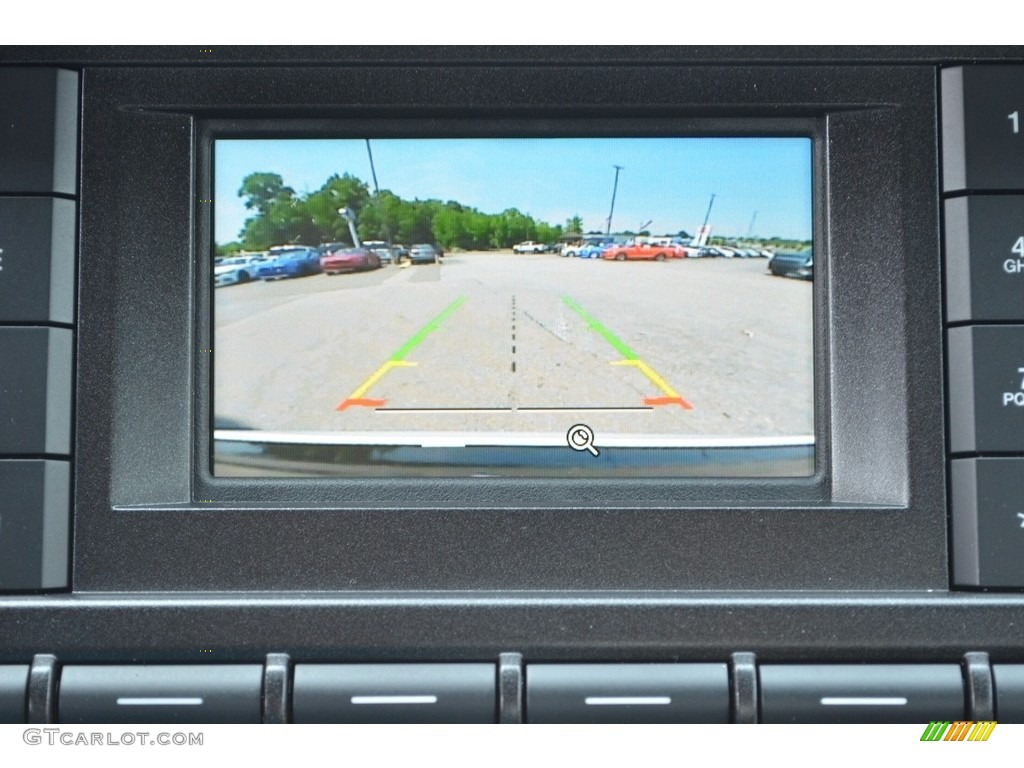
(159, 702)
(394, 699)
(863, 701)
(456, 439)
(522, 411)
(597, 701)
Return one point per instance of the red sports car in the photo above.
(348, 260)
(642, 251)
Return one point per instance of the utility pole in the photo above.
(615, 188)
(704, 226)
(750, 229)
(376, 195)
(373, 171)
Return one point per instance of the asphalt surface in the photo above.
(527, 344)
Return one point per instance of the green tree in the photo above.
(574, 226)
(512, 227)
(449, 226)
(547, 233)
(227, 249)
(378, 219)
(280, 217)
(261, 190)
(322, 206)
(415, 222)
(478, 228)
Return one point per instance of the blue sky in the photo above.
(667, 181)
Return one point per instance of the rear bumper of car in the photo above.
(790, 269)
(341, 265)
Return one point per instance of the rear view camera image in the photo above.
(586, 307)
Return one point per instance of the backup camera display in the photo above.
(585, 307)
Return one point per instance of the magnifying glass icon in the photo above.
(580, 437)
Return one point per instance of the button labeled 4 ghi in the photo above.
(1016, 266)
(984, 258)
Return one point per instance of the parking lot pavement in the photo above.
(531, 343)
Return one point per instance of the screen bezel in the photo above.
(150, 519)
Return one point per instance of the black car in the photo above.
(793, 264)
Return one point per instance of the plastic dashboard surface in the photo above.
(167, 561)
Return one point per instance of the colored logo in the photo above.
(960, 730)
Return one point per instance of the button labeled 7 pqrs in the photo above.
(986, 389)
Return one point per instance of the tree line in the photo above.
(280, 216)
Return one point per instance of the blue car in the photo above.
(587, 251)
(290, 261)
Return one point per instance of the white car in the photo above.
(238, 269)
(690, 251)
(529, 247)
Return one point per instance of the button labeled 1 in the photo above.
(983, 128)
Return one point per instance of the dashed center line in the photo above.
(513, 333)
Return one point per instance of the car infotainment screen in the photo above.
(513, 307)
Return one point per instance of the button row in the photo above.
(38, 210)
(983, 161)
(555, 693)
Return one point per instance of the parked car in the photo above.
(715, 251)
(673, 246)
(348, 259)
(290, 261)
(325, 247)
(585, 251)
(237, 269)
(690, 251)
(529, 246)
(424, 253)
(384, 251)
(639, 251)
(793, 264)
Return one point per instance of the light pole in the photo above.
(350, 217)
(615, 188)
